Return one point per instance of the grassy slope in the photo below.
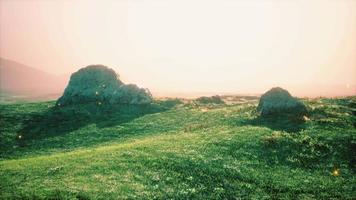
(189, 151)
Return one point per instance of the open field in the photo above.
(177, 150)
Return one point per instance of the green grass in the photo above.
(175, 150)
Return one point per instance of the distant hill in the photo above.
(24, 82)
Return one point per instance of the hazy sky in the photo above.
(186, 46)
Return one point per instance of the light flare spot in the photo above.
(336, 172)
(204, 110)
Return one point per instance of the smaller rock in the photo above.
(278, 101)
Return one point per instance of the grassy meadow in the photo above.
(177, 149)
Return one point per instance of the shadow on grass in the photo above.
(32, 129)
(307, 149)
(279, 123)
(62, 120)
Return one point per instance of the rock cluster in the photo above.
(278, 101)
(100, 84)
(210, 100)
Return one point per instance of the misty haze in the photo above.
(189, 99)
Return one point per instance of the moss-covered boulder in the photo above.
(100, 84)
(278, 101)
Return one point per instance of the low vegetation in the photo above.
(210, 100)
(177, 149)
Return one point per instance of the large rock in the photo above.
(278, 101)
(100, 84)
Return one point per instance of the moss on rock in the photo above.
(98, 83)
(278, 101)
